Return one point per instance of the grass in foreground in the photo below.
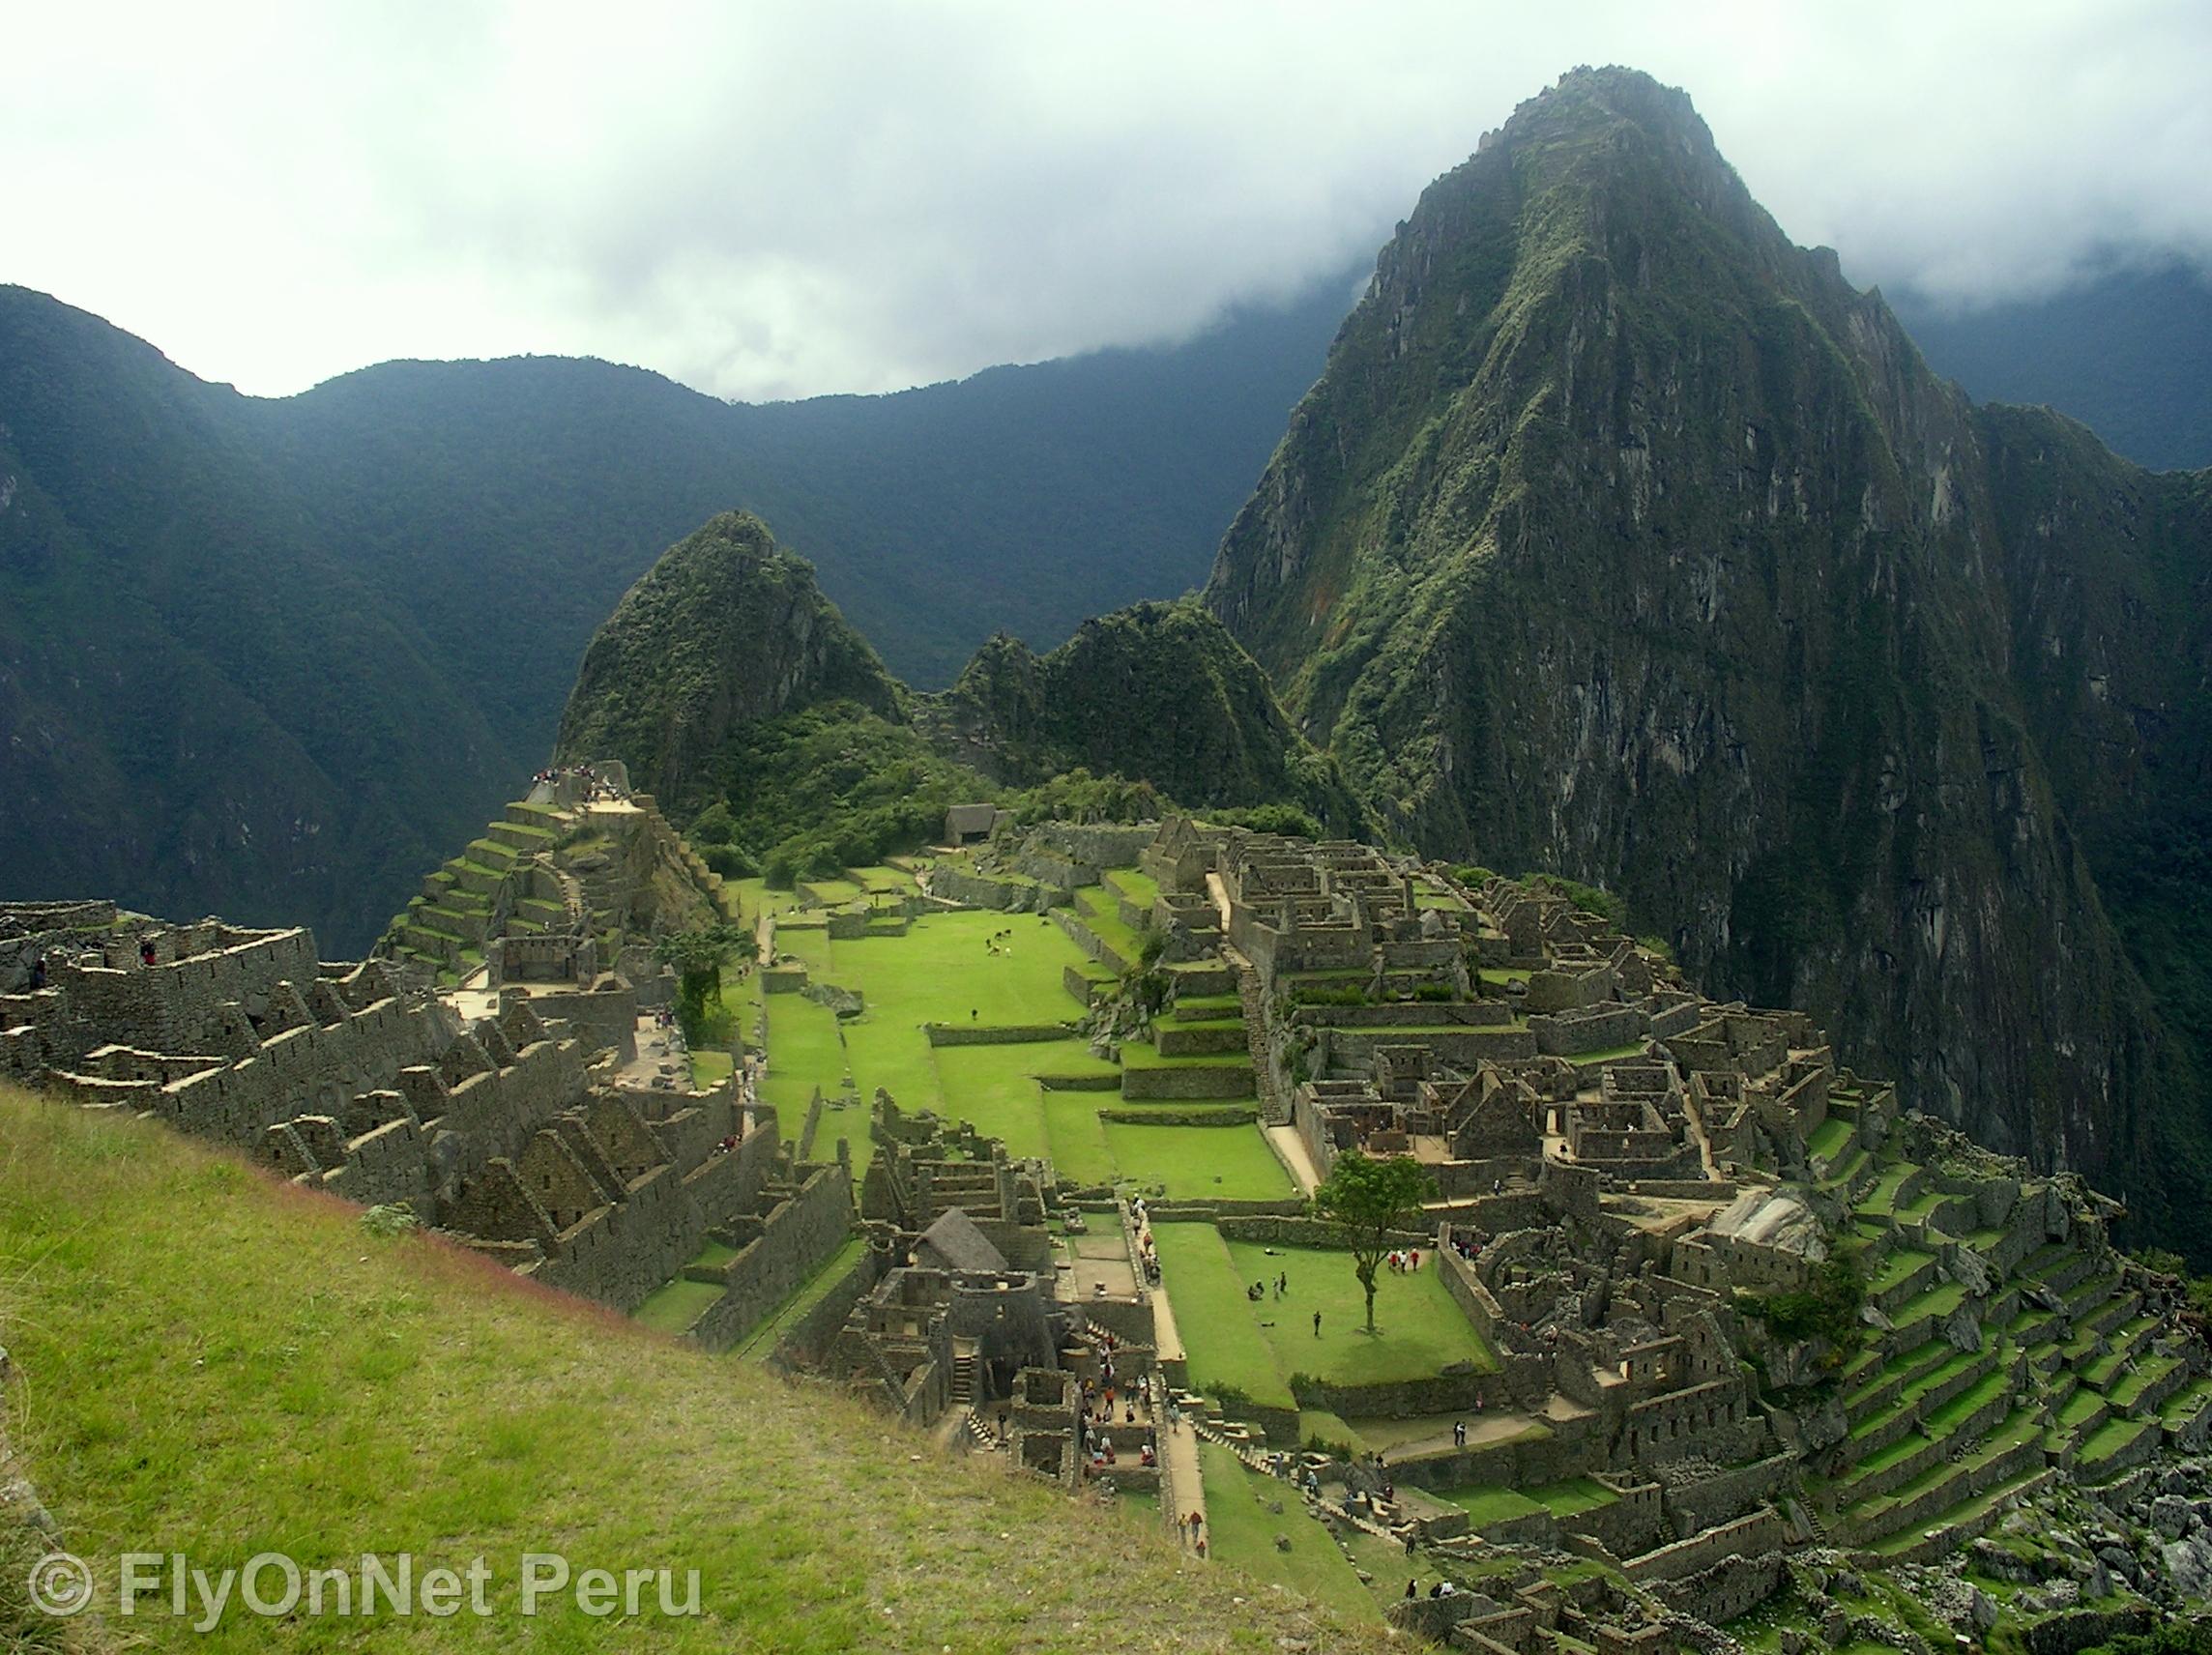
(212, 1363)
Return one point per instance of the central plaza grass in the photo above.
(1241, 1531)
(1256, 1348)
(210, 1361)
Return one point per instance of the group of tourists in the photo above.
(1147, 1254)
(1258, 1290)
(1404, 1262)
(594, 790)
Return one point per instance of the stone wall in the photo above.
(1355, 1049)
(1273, 1232)
(1188, 1081)
(1597, 1030)
(1200, 1041)
(1733, 1586)
(1402, 1399)
(979, 890)
(1103, 845)
(621, 1253)
(600, 1017)
(798, 1236)
(1712, 1502)
(994, 1035)
(1761, 1532)
(1152, 1114)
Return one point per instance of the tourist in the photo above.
(1413, 1588)
(146, 951)
(1416, 1260)
(1458, 1434)
(37, 973)
(1317, 1325)
(1201, 1548)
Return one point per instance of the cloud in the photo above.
(772, 200)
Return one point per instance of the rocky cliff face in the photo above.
(1623, 538)
(725, 630)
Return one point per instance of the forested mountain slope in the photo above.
(1623, 538)
(265, 657)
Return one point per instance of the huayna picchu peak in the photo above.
(1600, 1045)
(1624, 539)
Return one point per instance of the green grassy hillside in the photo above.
(208, 1362)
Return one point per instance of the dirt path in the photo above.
(1293, 1149)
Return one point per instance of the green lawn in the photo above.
(1241, 1531)
(1076, 1137)
(710, 1069)
(1138, 886)
(1896, 1267)
(1487, 1504)
(1144, 1054)
(804, 1052)
(1830, 1136)
(994, 1088)
(885, 879)
(1882, 1198)
(1256, 1347)
(941, 970)
(1101, 914)
(1197, 1163)
(673, 1306)
(808, 940)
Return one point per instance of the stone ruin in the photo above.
(526, 1129)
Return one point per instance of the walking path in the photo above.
(1293, 1149)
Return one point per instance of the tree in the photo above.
(697, 956)
(1372, 1197)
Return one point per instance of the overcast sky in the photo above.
(770, 200)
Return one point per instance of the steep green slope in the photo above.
(1623, 538)
(200, 704)
(725, 629)
(308, 1388)
(1159, 691)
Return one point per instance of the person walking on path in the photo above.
(1317, 1325)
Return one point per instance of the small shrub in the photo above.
(391, 1218)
